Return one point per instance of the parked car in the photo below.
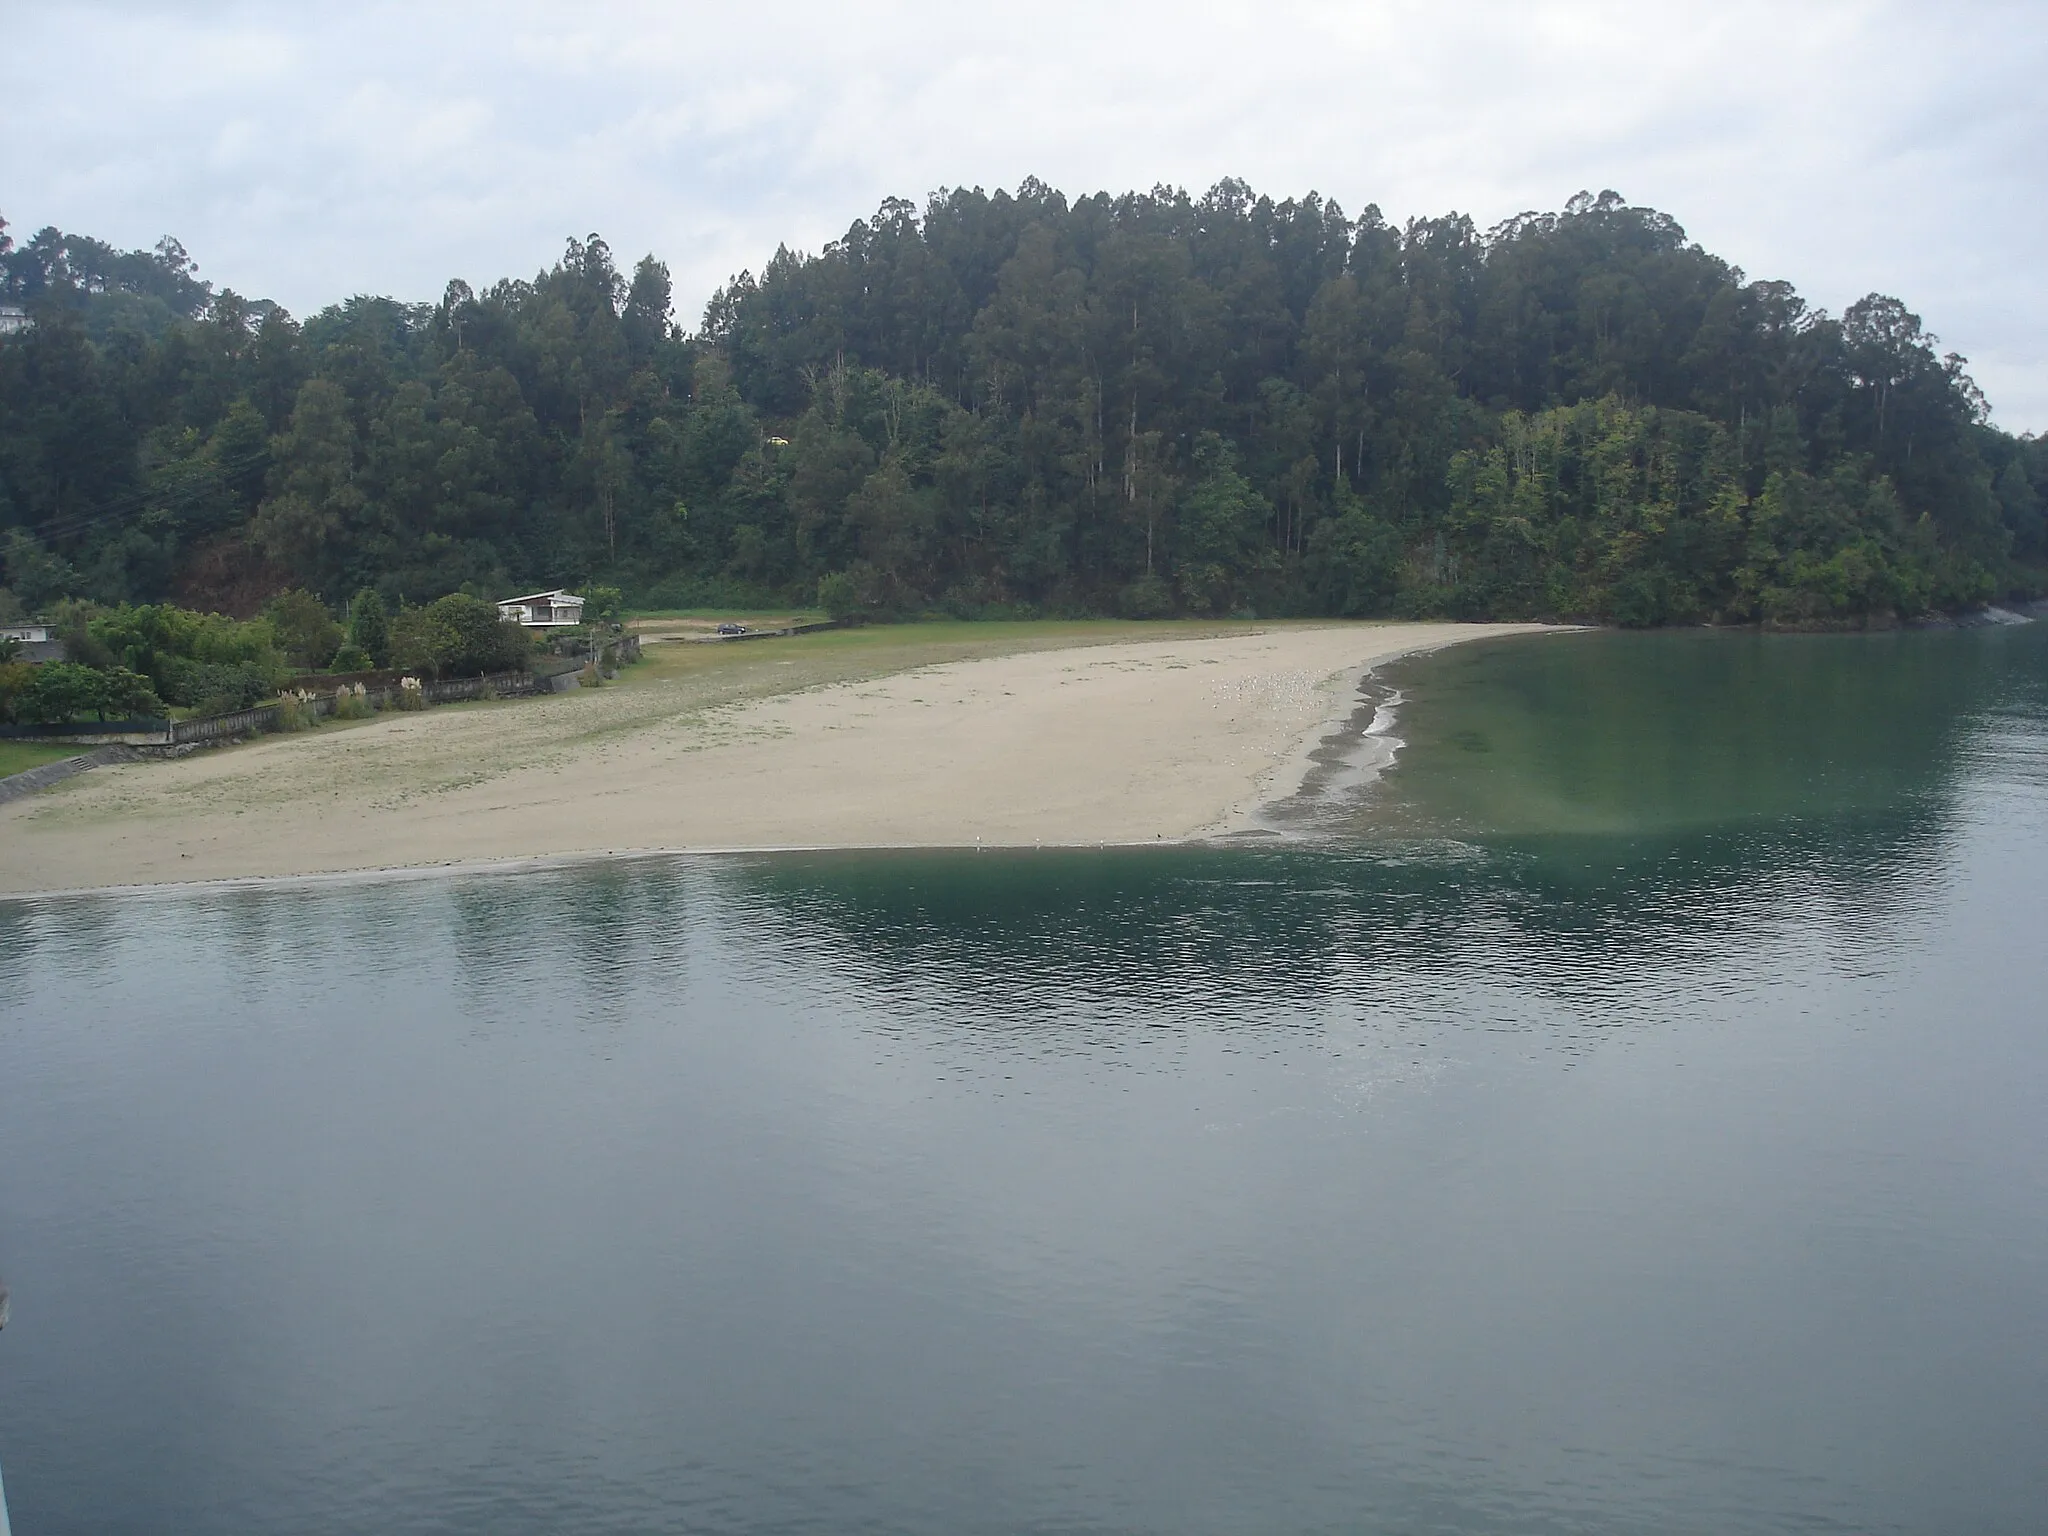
(732, 629)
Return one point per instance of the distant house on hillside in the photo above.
(13, 319)
(543, 610)
(33, 642)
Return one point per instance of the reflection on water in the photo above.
(1629, 1122)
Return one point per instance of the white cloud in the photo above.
(308, 152)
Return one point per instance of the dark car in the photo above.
(732, 629)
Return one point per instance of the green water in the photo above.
(1615, 734)
(1624, 1116)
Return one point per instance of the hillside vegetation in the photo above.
(1014, 404)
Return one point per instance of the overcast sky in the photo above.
(303, 152)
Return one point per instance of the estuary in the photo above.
(1624, 1115)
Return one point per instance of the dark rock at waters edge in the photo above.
(1993, 616)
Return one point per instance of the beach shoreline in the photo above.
(1135, 742)
(1292, 776)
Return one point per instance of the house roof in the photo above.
(562, 593)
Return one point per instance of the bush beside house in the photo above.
(457, 636)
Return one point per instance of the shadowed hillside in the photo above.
(1017, 404)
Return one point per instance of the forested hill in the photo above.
(1011, 403)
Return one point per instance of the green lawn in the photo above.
(20, 756)
(712, 674)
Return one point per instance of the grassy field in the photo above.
(20, 756)
(693, 676)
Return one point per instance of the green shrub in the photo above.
(1354, 563)
(305, 631)
(238, 684)
(175, 648)
(1146, 598)
(459, 636)
(15, 676)
(352, 658)
(863, 591)
(369, 629)
(59, 693)
(840, 596)
(62, 691)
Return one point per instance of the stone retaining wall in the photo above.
(27, 782)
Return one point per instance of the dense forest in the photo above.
(1016, 404)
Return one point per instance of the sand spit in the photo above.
(1118, 743)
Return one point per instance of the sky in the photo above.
(305, 152)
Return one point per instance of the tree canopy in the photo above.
(1015, 403)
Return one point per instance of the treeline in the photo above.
(141, 659)
(1012, 404)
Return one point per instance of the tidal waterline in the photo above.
(1585, 1135)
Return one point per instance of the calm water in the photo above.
(1633, 1118)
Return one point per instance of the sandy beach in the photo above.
(1137, 741)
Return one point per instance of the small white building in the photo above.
(32, 642)
(543, 610)
(13, 319)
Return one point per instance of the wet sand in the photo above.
(1142, 741)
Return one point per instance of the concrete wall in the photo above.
(15, 785)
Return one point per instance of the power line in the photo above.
(115, 508)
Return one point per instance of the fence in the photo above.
(575, 654)
(251, 722)
(90, 732)
(503, 685)
(243, 722)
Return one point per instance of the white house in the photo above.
(543, 610)
(13, 319)
(33, 642)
